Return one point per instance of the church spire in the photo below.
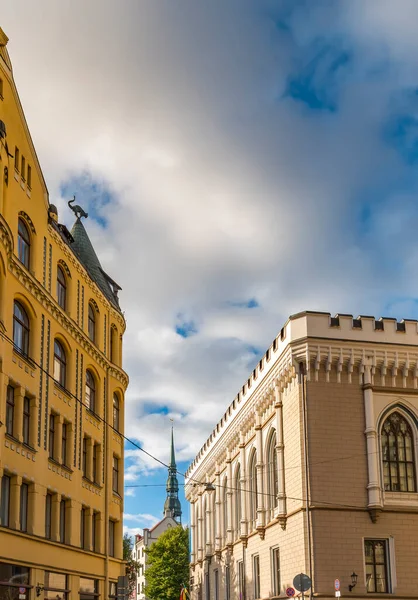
(172, 506)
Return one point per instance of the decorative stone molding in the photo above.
(28, 221)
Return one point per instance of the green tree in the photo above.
(168, 565)
(132, 566)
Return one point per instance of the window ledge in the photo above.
(90, 482)
(12, 438)
(406, 499)
(24, 357)
(93, 414)
(62, 389)
(29, 447)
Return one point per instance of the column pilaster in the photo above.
(218, 537)
(281, 510)
(55, 517)
(14, 513)
(260, 523)
(243, 484)
(373, 488)
(229, 528)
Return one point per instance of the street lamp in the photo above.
(353, 581)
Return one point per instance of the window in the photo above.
(10, 409)
(83, 517)
(63, 510)
(227, 583)
(1, 89)
(24, 493)
(48, 516)
(94, 531)
(90, 391)
(113, 343)
(272, 483)
(241, 581)
(253, 491)
(216, 574)
(13, 577)
(115, 412)
(207, 587)
(5, 500)
(92, 323)
(61, 288)
(60, 363)
(115, 475)
(23, 243)
(23, 169)
(29, 181)
(398, 455)
(237, 501)
(17, 158)
(376, 566)
(51, 444)
(89, 588)
(64, 444)
(256, 575)
(224, 527)
(275, 569)
(56, 586)
(95, 462)
(84, 461)
(20, 329)
(26, 421)
(113, 589)
(112, 538)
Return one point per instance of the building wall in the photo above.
(32, 376)
(344, 379)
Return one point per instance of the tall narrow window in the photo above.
(256, 576)
(398, 455)
(23, 169)
(90, 391)
(61, 288)
(24, 494)
(5, 500)
(216, 574)
(227, 583)
(83, 517)
(26, 421)
(62, 520)
(115, 412)
(48, 516)
(241, 581)
(20, 329)
(29, 181)
(253, 490)
(275, 569)
(64, 444)
(10, 410)
(17, 158)
(376, 566)
(224, 527)
(112, 538)
(272, 481)
(115, 475)
(51, 445)
(23, 243)
(238, 501)
(60, 364)
(92, 323)
(84, 461)
(94, 531)
(95, 461)
(113, 344)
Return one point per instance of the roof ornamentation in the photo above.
(77, 210)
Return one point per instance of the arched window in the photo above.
(272, 484)
(20, 328)
(61, 288)
(23, 243)
(116, 412)
(113, 344)
(253, 490)
(92, 322)
(224, 527)
(90, 391)
(60, 363)
(237, 486)
(398, 455)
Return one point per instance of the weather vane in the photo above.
(77, 210)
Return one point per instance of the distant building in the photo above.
(62, 387)
(172, 518)
(314, 466)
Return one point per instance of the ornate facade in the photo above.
(314, 466)
(62, 387)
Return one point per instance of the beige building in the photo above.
(62, 387)
(314, 466)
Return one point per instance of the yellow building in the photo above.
(61, 381)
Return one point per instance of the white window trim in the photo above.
(391, 567)
(275, 588)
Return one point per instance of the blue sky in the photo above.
(240, 161)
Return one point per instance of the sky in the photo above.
(240, 161)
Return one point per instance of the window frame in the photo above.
(95, 462)
(10, 410)
(84, 457)
(396, 462)
(63, 519)
(275, 569)
(90, 385)
(6, 482)
(51, 436)
(115, 474)
(387, 564)
(91, 322)
(24, 328)
(23, 508)
(48, 515)
(61, 288)
(23, 243)
(60, 363)
(26, 421)
(17, 159)
(64, 444)
(112, 526)
(116, 411)
(256, 576)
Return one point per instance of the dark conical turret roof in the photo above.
(83, 248)
(172, 506)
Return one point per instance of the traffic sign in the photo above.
(302, 582)
(290, 592)
(338, 594)
(337, 585)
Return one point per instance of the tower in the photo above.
(172, 506)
